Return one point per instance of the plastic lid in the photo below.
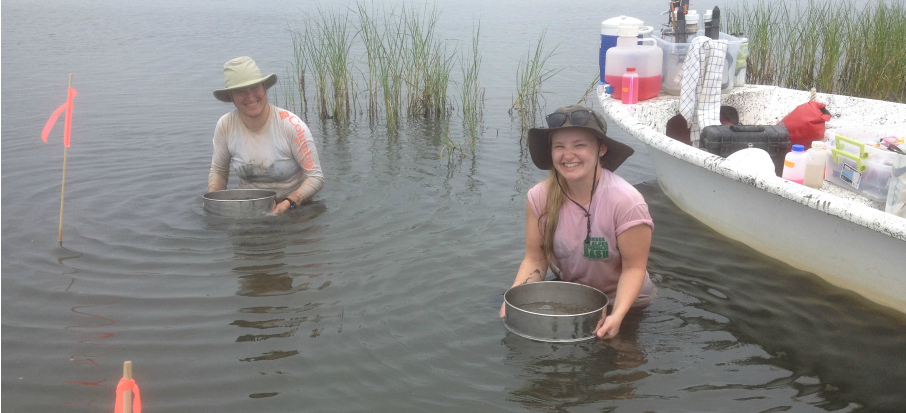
(628, 30)
(818, 144)
(708, 14)
(616, 22)
(798, 148)
(630, 69)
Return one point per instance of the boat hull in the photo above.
(842, 253)
(839, 236)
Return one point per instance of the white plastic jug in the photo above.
(609, 33)
(647, 59)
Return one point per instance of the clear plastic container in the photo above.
(610, 33)
(859, 166)
(675, 57)
(645, 58)
(815, 162)
(896, 195)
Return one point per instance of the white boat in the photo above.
(836, 234)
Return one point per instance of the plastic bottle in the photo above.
(815, 161)
(610, 33)
(630, 92)
(794, 165)
(647, 59)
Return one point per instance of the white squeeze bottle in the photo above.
(815, 160)
(794, 165)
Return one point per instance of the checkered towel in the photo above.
(700, 95)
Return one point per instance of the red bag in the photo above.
(806, 123)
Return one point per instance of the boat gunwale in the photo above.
(658, 110)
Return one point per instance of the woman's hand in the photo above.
(281, 207)
(608, 326)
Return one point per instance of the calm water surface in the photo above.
(382, 294)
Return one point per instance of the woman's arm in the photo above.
(634, 245)
(306, 155)
(220, 162)
(534, 265)
(310, 186)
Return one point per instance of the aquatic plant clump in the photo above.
(407, 66)
(834, 47)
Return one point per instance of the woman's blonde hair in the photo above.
(550, 216)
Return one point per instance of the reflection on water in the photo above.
(562, 376)
(276, 262)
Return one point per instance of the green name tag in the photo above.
(596, 249)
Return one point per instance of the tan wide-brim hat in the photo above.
(539, 140)
(239, 73)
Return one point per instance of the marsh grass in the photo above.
(530, 75)
(408, 67)
(327, 43)
(428, 62)
(471, 91)
(835, 47)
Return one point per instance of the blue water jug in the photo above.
(610, 32)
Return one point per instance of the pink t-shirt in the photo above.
(616, 207)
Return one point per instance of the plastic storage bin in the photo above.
(859, 167)
(675, 57)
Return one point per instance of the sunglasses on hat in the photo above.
(577, 118)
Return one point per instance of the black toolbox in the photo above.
(722, 140)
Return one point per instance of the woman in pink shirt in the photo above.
(585, 223)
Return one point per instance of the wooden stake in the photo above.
(127, 395)
(63, 190)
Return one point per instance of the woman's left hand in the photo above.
(608, 327)
(281, 207)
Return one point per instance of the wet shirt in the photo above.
(278, 158)
(616, 207)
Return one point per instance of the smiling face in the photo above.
(575, 152)
(251, 101)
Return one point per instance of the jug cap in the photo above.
(628, 30)
(616, 22)
(798, 148)
(818, 144)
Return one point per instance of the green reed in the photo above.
(834, 47)
(285, 89)
(530, 75)
(471, 91)
(371, 37)
(297, 74)
(589, 90)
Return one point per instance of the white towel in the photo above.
(700, 94)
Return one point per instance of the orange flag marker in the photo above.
(67, 127)
(128, 399)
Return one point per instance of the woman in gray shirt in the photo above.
(268, 147)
